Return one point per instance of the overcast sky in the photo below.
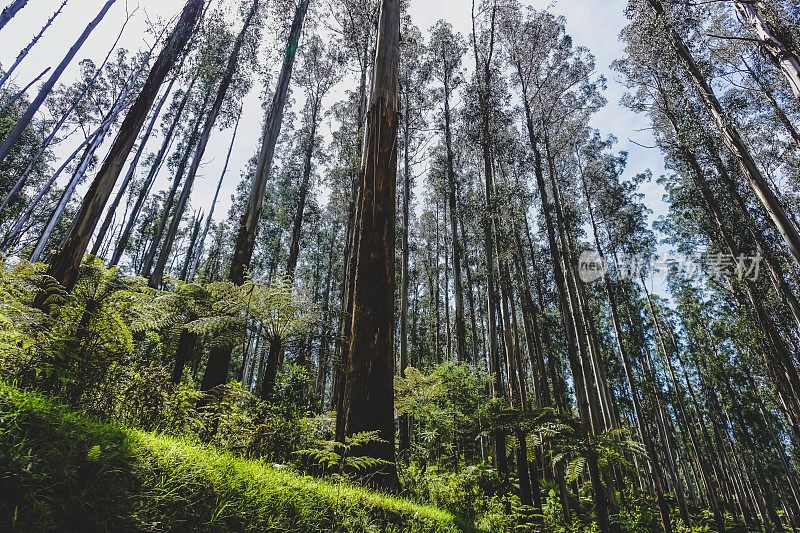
(592, 23)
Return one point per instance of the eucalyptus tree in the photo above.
(774, 41)
(229, 72)
(319, 71)
(248, 226)
(368, 398)
(446, 51)
(73, 102)
(415, 100)
(661, 21)
(26, 117)
(65, 263)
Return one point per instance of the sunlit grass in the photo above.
(61, 470)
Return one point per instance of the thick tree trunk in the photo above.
(64, 266)
(158, 274)
(368, 394)
(271, 367)
(733, 139)
(9, 12)
(44, 91)
(248, 226)
(24, 52)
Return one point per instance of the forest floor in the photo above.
(63, 471)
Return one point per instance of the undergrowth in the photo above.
(62, 471)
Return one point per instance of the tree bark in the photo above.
(368, 394)
(64, 266)
(404, 433)
(461, 332)
(248, 226)
(158, 274)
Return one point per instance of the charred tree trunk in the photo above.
(368, 394)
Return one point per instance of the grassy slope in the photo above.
(60, 471)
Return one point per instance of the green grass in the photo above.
(62, 471)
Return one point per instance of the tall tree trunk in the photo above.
(733, 139)
(368, 394)
(122, 242)
(9, 12)
(248, 226)
(483, 67)
(219, 360)
(191, 139)
(655, 471)
(209, 217)
(158, 274)
(24, 52)
(192, 248)
(404, 434)
(461, 333)
(297, 227)
(131, 172)
(771, 44)
(26, 117)
(64, 266)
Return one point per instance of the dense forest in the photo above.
(439, 299)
